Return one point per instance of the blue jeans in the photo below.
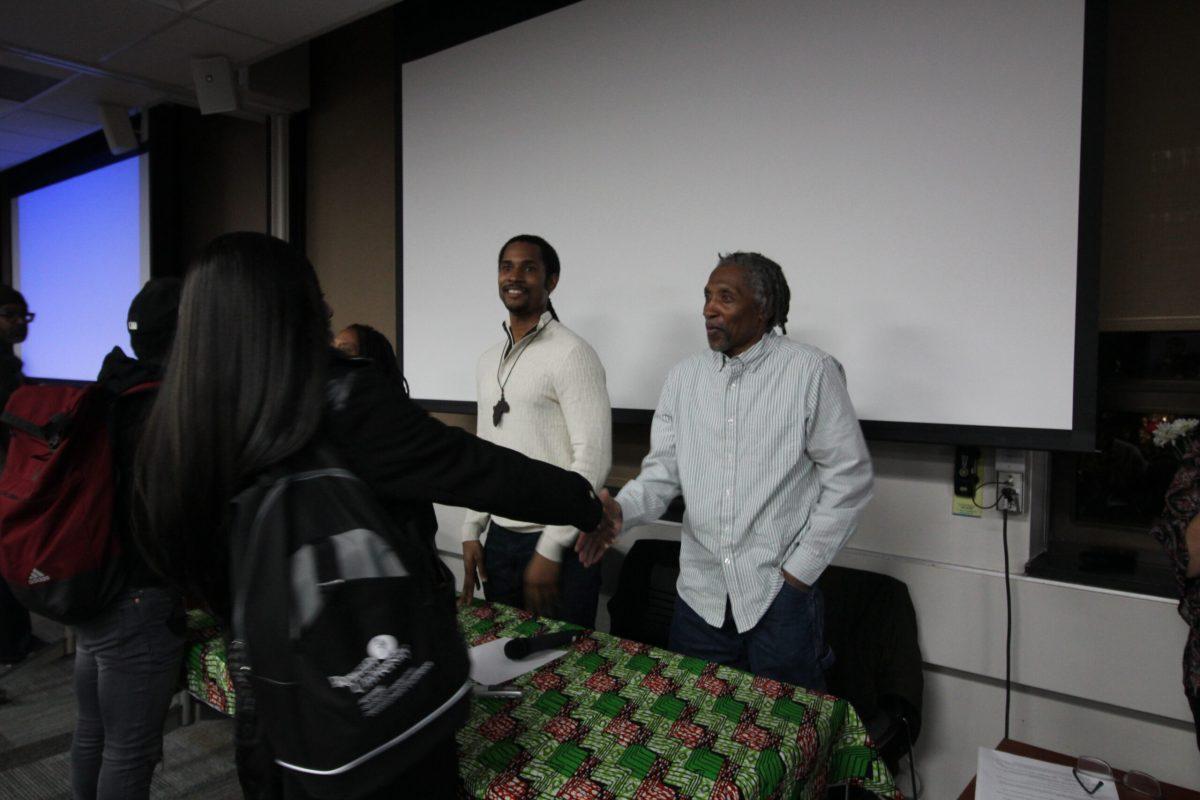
(787, 644)
(506, 554)
(126, 669)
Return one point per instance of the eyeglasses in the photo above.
(9, 314)
(1091, 773)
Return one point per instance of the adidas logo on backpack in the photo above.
(37, 576)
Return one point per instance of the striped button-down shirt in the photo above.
(769, 457)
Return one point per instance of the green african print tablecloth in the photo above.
(208, 677)
(618, 719)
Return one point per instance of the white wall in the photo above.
(1098, 671)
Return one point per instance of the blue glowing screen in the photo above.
(80, 254)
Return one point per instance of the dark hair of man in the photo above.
(10, 296)
(374, 345)
(243, 390)
(769, 285)
(549, 260)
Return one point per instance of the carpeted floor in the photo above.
(36, 725)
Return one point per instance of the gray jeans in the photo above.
(126, 669)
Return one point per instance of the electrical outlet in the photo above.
(1015, 481)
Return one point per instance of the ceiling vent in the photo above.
(19, 86)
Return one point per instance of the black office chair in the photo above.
(642, 607)
(871, 625)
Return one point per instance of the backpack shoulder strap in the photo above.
(252, 507)
(141, 388)
(50, 433)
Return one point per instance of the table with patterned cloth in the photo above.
(204, 661)
(618, 719)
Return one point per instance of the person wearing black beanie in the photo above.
(127, 657)
(152, 318)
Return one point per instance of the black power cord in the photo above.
(999, 494)
(1009, 494)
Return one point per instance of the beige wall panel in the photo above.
(223, 169)
(351, 235)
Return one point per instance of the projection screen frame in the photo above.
(432, 32)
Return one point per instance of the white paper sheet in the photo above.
(489, 665)
(1004, 776)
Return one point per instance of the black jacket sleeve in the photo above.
(408, 456)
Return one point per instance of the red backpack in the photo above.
(59, 552)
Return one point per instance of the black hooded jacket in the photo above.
(412, 460)
(118, 374)
(408, 458)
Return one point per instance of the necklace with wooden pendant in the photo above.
(502, 407)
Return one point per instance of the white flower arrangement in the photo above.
(1176, 434)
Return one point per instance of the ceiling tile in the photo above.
(154, 39)
(30, 145)
(8, 158)
(167, 56)
(18, 85)
(81, 31)
(287, 21)
(27, 65)
(48, 126)
(77, 99)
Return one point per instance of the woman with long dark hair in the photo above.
(252, 381)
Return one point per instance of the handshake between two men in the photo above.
(545, 580)
(590, 547)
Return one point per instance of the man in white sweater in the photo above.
(541, 391)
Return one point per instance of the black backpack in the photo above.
(345, 643)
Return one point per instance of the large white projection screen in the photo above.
(81, 251)
(914, 166)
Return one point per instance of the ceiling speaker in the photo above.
(118, 130)
(216, 92)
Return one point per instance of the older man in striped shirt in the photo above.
(760, 437)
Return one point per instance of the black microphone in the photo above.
(523, 648)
